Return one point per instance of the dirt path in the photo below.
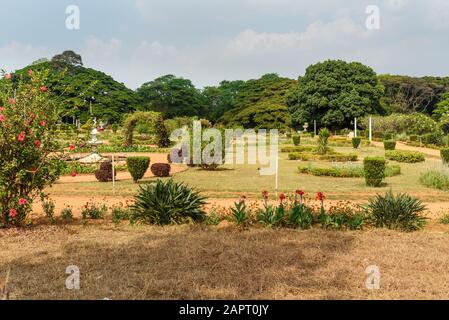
(402, 146)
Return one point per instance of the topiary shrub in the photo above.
(160, 169)
(445, 155)
(104, 174)
(401, 212)
(432, 138)
(323, 137)
(167, 202)
(405, 156)
(388, 136)
(296, 139)
(312, 135)
(389, 145)
(137, 166)
(356, 142)
(374, 169)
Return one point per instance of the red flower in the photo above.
(282, 196)
(299, 192)
(22, 201)
(21, 136)
(44, 89)
(72, 147)
(37, 143)
(12, 213)
(7, 76)
(265, 195)
(33, 170)
(12, 101)
(74, 173)
(2, 118)
(43, 123)
(320, 196)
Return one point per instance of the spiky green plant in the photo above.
(240, 213)
(323, 137)
(399, 212)
(301, 217)
(167, 202)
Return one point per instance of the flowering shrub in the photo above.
(28, 154)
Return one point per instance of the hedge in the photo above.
(388, 136)
(389, 145)
(160, 169)
(137, 166)
(445, 155)
(296, 139)
(414, 138)
(356, 142)
(298, 149)
(405, 156)
(337, 157)
(374, 169)
(346, 171)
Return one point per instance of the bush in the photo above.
(445, 155)
(120, 213)
(298, 149)
(356, 142)
(312, 135)
(435, 179)
(296, 139)
(160, 169)
(374, 169)
(137, 166)
(344, 171)
(104, 174)
(92, 210)
(434, 138)
(114, 128)
(67, 214)
(405, 156)
(337, 157)
(401, 212)
(414, 138)
(388, 136)
(389, 145)
(167, 202)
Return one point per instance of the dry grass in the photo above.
(192, 262)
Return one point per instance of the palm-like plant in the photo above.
(167, 202)
(400, 212)
(323, 136)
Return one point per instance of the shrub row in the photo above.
(389, 145)
(337, 157)
(346, 171)
(298, 149)
(405, 156)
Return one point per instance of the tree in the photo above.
(29, 154)
(67, 59)
(172, 96)
(162, 135)
(260, 103)
(222, 98)
(333, 93)
(442, 107)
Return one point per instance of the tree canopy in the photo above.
(172, 96)
(333, 93)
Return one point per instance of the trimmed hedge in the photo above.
(356, 142)
(388, 136)
(405, 156)
(104, 174)
(160, 169)
(337, 157)
(346, 171)
(445, 155)
(374, 169)
(137, 166)
(296, 139)
(298, 149)
(414, 138)
(389, 145)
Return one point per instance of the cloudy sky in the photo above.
(207, 41)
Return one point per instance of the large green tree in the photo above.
(333, 93)
(172, 96)
(260, 103)
(222, 98)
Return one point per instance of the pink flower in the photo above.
(12, 213)
(44, 89)
(22, 201)
(74, 173)
(43, 123)
(21, 136)
(12, 101)
(2, 109)
(2, 118)
(30, 72)
(7, 76)
(37, 143)
(72, 147)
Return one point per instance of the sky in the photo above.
(207, 41)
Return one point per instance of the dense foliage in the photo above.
(374, 168)
(167, 202)
(333, 93)
(137, 166)
(405, 156)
